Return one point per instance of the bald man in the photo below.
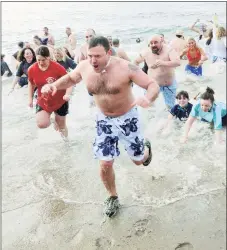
(161, 61)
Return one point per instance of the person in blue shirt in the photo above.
(63, 59)
(179, 111)
(208, 110)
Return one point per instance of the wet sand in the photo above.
(53, 196)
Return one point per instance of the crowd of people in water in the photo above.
(51, 72)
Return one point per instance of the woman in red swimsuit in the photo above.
(196, 56)
(40, 73)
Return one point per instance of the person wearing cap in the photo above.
(178, 43)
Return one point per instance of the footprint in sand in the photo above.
(184, 246)
(102, 243)
(140, 227)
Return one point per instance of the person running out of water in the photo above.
(90, 33)
(109, 79)
(178, 43)
(208, 110)
(27, 58)
(181, 110)
(17, 53)
(219, 41)
(71, 38)
(63, 59)
(42, 73)
(203, 30)
(161, 62)
(113, 51)
(196, 57)
(4, 67)
(120, 52)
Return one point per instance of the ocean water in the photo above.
(52, 195)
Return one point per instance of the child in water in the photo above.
(181, 110)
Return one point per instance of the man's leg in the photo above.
(169, 94)
(108, 177)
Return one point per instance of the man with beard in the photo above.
(109, 80)
(161, 62)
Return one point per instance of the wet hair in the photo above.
(162, 35)
(99, 41)
(2, 56)
(116, 41)
(208, 95)
(209, 40)
(43, 51)
(46, 28)
(179, 36)
(21, 57)
(182, 93)
(21, 45)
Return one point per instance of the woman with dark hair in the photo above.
(46, 71)
(26, 59)
(208, 110)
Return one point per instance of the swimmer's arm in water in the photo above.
(139, 60)
(193, 27)
(15, 81)
(141, 79)
(188, 126)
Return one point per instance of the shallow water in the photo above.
(52, 193)
(53, 196)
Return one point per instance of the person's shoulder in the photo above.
(190, 105)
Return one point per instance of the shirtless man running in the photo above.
(109, 80)
(161, 62)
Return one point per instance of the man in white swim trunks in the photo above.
(161, 61)
(109, 80)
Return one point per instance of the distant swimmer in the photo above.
(90, 33)
(196, 57)
(208, 110)
(41, 73)
(47, 38)
(138, 40)
(71, 39)
(26, 58)
(113, 52)
(109, 80)
(179, 43)
(4, 67)
(203, 30)
(161, 62)
(119, 51)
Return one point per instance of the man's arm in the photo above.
(122, 54)
(142, 80)
(139, 60)
(174, 59)
(69, 79)
(203, 55)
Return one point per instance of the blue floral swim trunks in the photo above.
(111, 130)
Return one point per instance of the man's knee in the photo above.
(106, 165)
